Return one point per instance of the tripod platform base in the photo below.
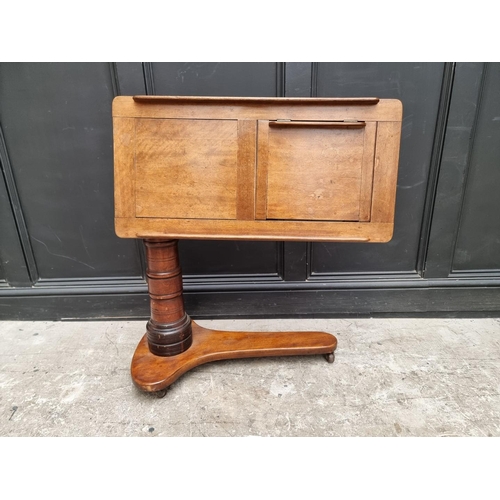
(153, 373)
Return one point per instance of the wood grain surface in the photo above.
(256, 169)
(244, 108)
(186, 168)
(314, 173)
(153, 373)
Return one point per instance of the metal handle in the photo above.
(337, 124)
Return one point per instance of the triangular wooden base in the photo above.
(175, 344)
(153, 373)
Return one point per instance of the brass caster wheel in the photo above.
(160, 394)
(330, 357)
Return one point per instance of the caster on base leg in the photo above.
(330, 357)
(159, 394)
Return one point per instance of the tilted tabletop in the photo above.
(311, 169)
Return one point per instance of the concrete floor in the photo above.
(391, 377)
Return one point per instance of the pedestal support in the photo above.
(174, 344)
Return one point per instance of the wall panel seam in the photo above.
(15, 202)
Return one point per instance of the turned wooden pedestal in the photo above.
(175, 344)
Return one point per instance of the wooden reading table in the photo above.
(289, 169)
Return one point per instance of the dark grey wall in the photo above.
(60, 258)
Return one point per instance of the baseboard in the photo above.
(302, 303)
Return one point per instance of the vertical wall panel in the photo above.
(216, 79)
(17, 263)
(298, 79)
(478, 242)
(13, 267)
(465, 102)
(57, 124)
(418, 86)
(130, 78)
